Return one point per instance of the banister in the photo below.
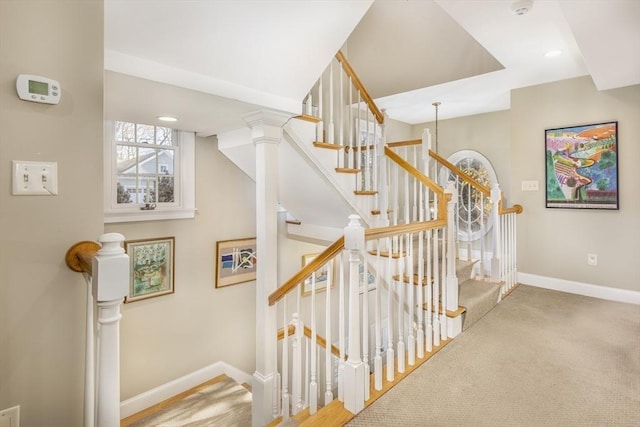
(516, 209)
(407, 143)
(80, 256)
(358, 84)
(414, 172)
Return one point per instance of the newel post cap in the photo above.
(110, 268)
(354, 234)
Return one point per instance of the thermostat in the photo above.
(38, 89)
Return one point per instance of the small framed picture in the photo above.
(321, 276)
(151, 267)
(236, 261)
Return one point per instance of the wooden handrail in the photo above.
(307, 270)
(404, 143)
(291, 329)
(80, 256)
(414, 172)
(516, 209)
(358, 84)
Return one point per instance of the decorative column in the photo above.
(354, 372)
(110, 279)
(266, 132)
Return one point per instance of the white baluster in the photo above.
(429, 330)
(363, 281)
(436, 289)
(352, 140)
(377, 364)
(443, 281)
(411, 338)
(390, 352)
(331, 137)
(90, 359)
(285, 363)
(341, 161)
(320, 124)
(420, 287)
(313, 385)
(400, 287)
(328, 394)
(341, 327)
(296, 381)
(495, 258)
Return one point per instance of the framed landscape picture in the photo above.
(582, 166)
(151, 267)
(236, 261)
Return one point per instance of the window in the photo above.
(148, 172)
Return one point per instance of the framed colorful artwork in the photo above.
(236, 261)
(152, 267)
(582, 166)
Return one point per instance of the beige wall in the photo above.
(41, 301)
(555, 242)
(170, 336)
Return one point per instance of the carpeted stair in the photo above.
(477, 296)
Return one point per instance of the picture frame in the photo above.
(370, 283)
(581, 166)
(236, 261)
(322, 276)
(152, 271)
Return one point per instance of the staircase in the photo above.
(398, 282)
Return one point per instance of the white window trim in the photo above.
(185, 206)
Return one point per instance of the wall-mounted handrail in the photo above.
(358, 84)
(79, 257)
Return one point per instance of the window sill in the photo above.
(155, 215)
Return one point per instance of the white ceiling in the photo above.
(466, 54)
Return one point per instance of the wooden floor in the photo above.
(126, 422)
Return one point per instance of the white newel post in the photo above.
(495, 241)
(354, 371)
(266, 131)
(110, 280)
(455, 324)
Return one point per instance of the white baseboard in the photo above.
(165, 391)
(596, 291)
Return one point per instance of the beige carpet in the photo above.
(540, 358)
(225, 403)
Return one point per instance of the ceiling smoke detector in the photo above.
(521, 7)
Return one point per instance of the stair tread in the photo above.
(479, 297)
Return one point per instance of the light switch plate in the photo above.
(529, 185)
(34, 178)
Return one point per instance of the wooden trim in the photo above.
(516, 209)
(80, 256)
(307, 118)
(358, 84)
(385, 254)
(405, 279)
(293, 222)
(486, 191)
(441, 310)
(327, 145)
(365, 192)
(291, 329)
(348, 148)
(395, 230)
(347, 170)
(407, 143)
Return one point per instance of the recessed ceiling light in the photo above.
(552, 53)
(167, 119)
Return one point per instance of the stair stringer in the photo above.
(301, 135)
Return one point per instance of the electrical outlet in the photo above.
(10, 417)
(592, 259)
(34, 178)
(529, 185)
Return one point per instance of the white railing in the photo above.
(105, 268)
(386, 295)
(485, 228)
(348, 121)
